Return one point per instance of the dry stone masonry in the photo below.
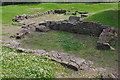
(74, 25)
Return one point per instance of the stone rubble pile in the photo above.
(20, 35)
(41, 28)
(83, 14)
(107, 38)
(26, 28)
(21, 17)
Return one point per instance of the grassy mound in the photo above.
(108, 17)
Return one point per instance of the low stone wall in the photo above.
(26, 16)
(65, 59)
(80, 27)
(59, 11)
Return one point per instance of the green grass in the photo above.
(18, 24)
(82, 46)
(8, 12)
(108, 17)
(61, 41)
(4, 34)
(22, 65)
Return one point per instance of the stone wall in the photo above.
(87, 28)
(75, 25)
(19, 18)
(26, 16)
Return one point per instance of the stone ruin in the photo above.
(105, 33)
(59, 11)
(26, 16)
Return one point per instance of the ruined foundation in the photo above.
(106, 35)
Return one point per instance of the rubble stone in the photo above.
(42, 28)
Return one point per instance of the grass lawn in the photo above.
(22, 65)
(8, 12)
(108, 17)
(82, 46)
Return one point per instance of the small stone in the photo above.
(74, 18)
(73, 65)
(15, 23)
(28, 51)
(79, 61)
(40, 51)
(42, 28)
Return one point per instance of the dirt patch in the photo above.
(10, 30)
(54, 17)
